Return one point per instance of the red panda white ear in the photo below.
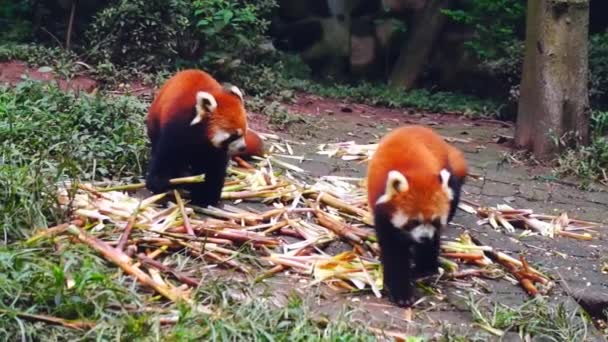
(236, 91)
(444, 177)
(205, 104)
(395, 183)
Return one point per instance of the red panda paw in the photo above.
(157, 184)
(402, 302)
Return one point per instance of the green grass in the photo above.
(421, 99)
(33, 280)
(50, 136)
(536, 318)
(588, 163)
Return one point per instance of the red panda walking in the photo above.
(195, 125)
(414, 180)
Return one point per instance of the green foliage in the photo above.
(60, 60)
(495, 23)
(139, 33)
(536, 318)
(223, 36)
(13, 23)
(589, 163)
(49, 136)
(230, 28)
(375, 94)
(34, 279)
(598, 69)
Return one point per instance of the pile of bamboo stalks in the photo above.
(278, 215)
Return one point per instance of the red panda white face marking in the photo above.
(219, 137)
(395, 184)
(444, 175)
(205, 104)
(239, 145)
(399, 219)
(423, 231)
(235, 140)
(236, 91)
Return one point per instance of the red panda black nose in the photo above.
(242, 148)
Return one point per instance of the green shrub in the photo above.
(589, 163)
(495, 23)
(598, 70)
(49, 136)
(222, 36)
(139, 33)
(13, 23)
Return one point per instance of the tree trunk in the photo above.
(427, 25)
(554, 100)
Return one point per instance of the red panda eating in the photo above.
(255, 145)
(414, 180)
(195, 125)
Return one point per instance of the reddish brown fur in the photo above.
(419, 154)
(177, 97)
(255, 144)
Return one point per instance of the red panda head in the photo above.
(224, 111)
(255, 145)
(418, 203)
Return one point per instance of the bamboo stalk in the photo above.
(182, 209)
(279, 268)
(78, 325)
(165, 269)
(337, 227)
(137, 186)
(127, 231)
(154, 254)
(337, 203)
(54, 231)
(124, 262)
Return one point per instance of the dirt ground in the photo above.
(575, 265)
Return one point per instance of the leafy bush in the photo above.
(13, 23)
(223, 36)
(140, 33)
(598, 69)
(495, 22)
(589, 163)
(48, 136)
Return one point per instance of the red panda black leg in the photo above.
(167, 161)
(214, 167)
(396, 257)
(455, 183)
(426, 256)
(161, 166)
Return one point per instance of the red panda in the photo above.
(413, 180)
(255, 145)
(195, 124)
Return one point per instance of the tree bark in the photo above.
(414, 54)
(554, 100)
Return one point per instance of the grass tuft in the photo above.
(50, 136)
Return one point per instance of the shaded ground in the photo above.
(575, 265)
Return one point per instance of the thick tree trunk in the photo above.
(554, 99)
(414, 55)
